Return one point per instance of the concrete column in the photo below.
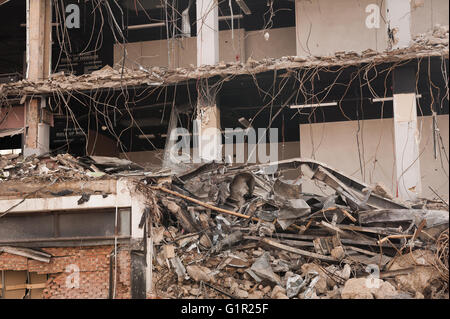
(207, 126)
(398, 14)
(39, 30)
(37, 133)
(208, 114)
(406, 134)
(207, 32)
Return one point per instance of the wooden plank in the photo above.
(370, 253)
(298, 243)
(372, 230)
(14, 278)
(393, 273)
(196, 201)
(335, 230)
(23, 286)
(36, 278)
(296, 250)
(332, 227)
(346, 213)
(393, 237)
(383, 260)
(363, 242)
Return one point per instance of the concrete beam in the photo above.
(13, 189)
(65, 203)
(37, 133)
(32, 111)
(406, 135)
(207, 126)
(398, 14)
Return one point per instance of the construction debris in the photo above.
(262, 237)
(270, 240)
(362, 288)
(62, 166)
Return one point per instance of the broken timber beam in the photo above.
(196, 201)
(296, 250)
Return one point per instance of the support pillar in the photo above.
(207, 32)
(208, 114)
(398, 14)
(39, 30)
(406, 134)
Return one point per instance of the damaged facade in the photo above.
(95, 203)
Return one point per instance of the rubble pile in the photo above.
(61, 166)
(220, 231)
(437, 37)
(226, 232)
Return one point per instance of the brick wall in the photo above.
(93, 276)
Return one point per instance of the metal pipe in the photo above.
(146, 26)
(243, 6)
(63, 239)
(313, 105)
(385, 99)
(237, 16)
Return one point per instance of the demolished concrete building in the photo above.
(93, 204)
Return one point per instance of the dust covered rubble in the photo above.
(250, 232)
(241, 233)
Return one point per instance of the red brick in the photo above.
(93, 263)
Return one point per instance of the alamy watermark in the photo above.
(73, 17)
(372, 20)
(262, 146)
(73, 279)
(373, 279)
